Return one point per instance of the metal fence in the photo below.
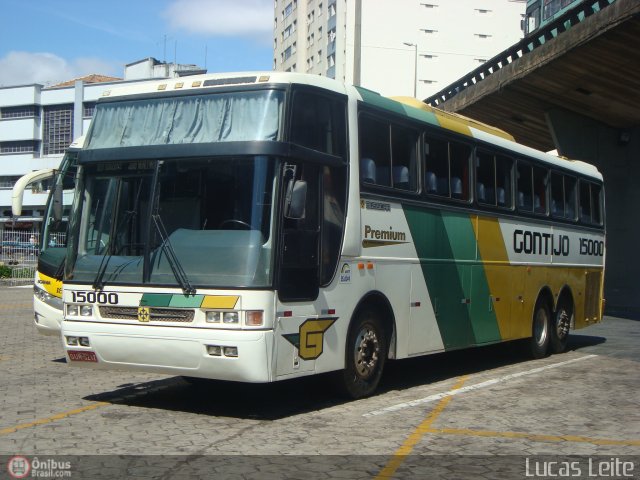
(19, 252)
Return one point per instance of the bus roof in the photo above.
(406, 106)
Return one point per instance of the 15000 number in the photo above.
(591, 247)
(94, 297)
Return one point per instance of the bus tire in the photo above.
(366, 353)
(540, 327)
(559, 332)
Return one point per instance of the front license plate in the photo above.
(76, 356)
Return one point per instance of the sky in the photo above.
(49, 41)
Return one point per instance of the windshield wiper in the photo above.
(172, 258)
(98, 283)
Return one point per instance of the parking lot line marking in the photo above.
(476, 386)
(412, 440)
(53, 418)
(533, 436)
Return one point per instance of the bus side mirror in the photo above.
(296, 199)
(57, 202)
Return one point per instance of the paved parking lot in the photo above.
(483, 413)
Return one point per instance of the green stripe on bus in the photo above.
(184, 301)
(475, 286)
(155, 299)
(446, 245)
(379, 101)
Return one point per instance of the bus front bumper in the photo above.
(171, 350)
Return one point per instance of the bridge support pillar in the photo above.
(616, 153)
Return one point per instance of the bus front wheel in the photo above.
(540, 329)
(365, 357)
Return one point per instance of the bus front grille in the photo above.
(155, 314)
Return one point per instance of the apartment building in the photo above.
(396, 47)
(38, 123)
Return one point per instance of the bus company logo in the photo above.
(345, 273)
(374, 237)
(18, 466)
(143, 314)
(310, 337)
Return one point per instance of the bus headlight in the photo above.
(213, 317)
(86, 310)
(73, 310)
(230, 317)
(47, 298)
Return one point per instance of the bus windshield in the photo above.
(214, 214)
(223, 117)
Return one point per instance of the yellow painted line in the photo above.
(53, 418)
(412, 440)
(532, 436)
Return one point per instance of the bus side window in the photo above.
(436, 179)
(375, 145)
(525, 183)
(504, 173)
(460, 155)
(540, 176)
(319, 123)
(590, 203)
(557, 195)
(570, 197)
(403, 150)
(485, 178)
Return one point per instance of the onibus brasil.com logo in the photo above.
(21, 467)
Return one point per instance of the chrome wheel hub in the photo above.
(367, 351)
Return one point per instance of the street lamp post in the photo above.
(415, 68)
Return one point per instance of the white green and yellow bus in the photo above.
(47, 287)
(260, 227)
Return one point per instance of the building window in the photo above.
(58, 128)
(482, 35)
(88, 109)
(320, 32)
(332, 10)
(287, 32)
(331, 60)
(25, 111)
(7, 183)
(287, 10)
(428, 31)
(25, 146)
(429, 5)
(428, 56)
(332, 35)
(287, 53)
(319, 56)
(482, 10)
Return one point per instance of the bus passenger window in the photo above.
(585, 202)
(596, 204)
(557, 195)
(460, 156)
(403, 151)
(525, 182)
(504, 172)
(374, 145)
(485, 178)
(570, 197)
(540, 190)
(436, 180)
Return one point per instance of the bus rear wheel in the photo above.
(366, 354)
(559, 334)
(539, 344)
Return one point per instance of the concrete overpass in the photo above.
(574, 86)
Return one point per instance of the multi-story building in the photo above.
(38, 123)
(396, 47)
